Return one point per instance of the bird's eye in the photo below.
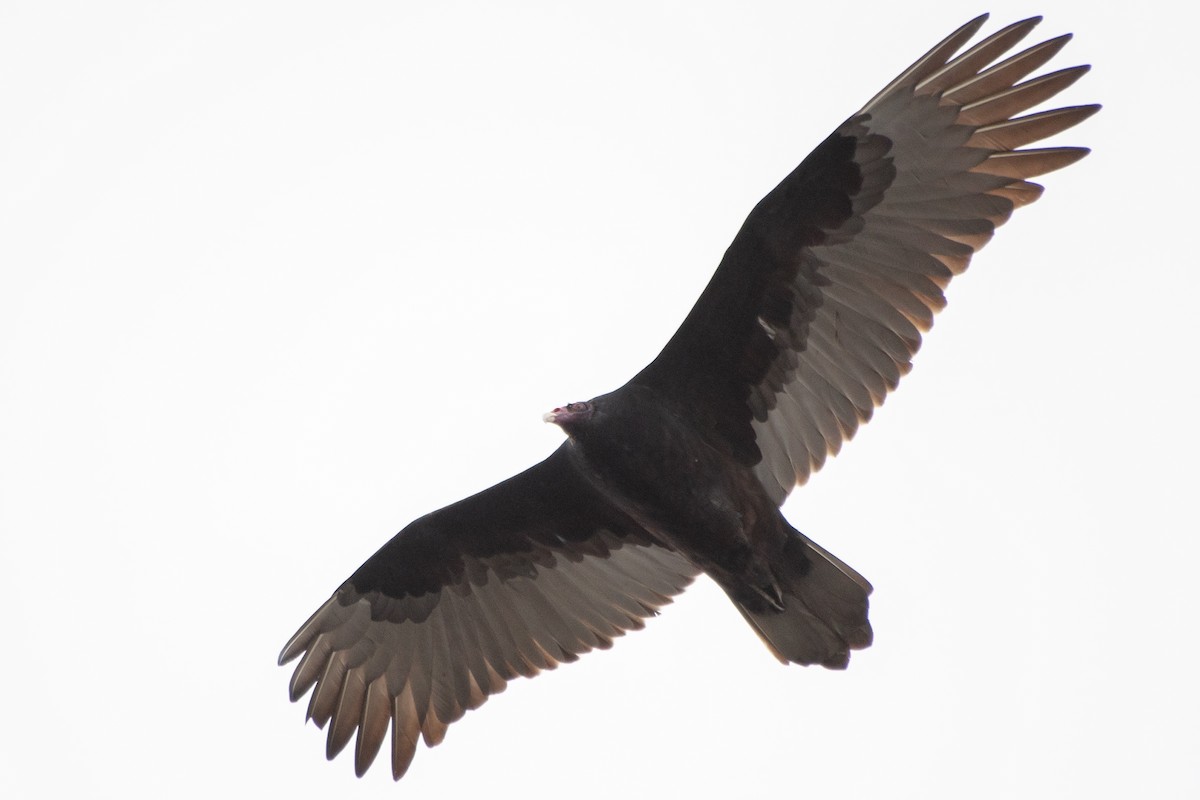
(577, 406)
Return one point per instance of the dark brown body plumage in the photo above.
(712, 509)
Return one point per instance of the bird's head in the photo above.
(571, 417)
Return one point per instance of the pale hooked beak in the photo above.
(569, 416)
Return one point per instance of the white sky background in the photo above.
(279, 277)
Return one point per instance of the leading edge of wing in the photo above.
(521, 577)
(818, 306)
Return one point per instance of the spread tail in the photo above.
(824, 614)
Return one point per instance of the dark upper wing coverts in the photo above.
(821, 299)
(519, 578)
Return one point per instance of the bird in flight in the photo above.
(811, 318)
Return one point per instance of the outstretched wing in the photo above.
(516, 579)
(818, 306)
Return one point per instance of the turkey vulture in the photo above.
(810, 319)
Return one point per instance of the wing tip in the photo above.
(976, 23)
(289, 652)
